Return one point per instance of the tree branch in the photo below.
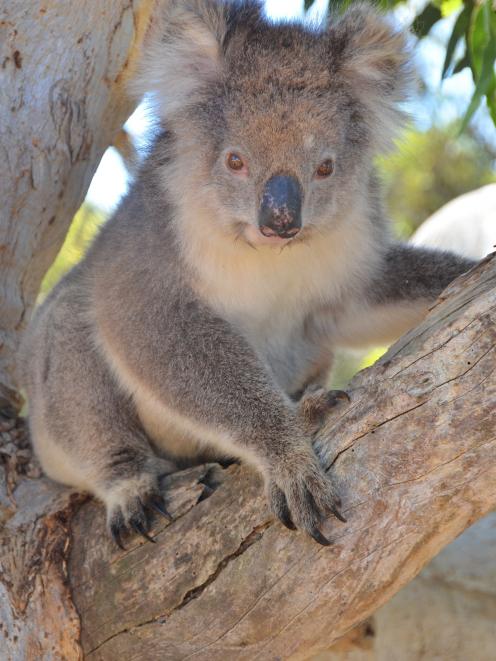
(414, 454)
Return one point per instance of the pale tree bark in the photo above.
(414, 455)
(64, 65)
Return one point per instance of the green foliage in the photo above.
(460, 29)
(83, 229)
(481, 47)
(429, 169)
(474, 28)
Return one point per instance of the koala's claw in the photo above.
(116, 526)
(337, 514)
(280, 507)
(319, 537)
(138, 527)
(132, 508)
(157, 503)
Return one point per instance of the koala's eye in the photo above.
(234, 162)
(325, 169)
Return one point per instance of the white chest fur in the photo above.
(268, 293)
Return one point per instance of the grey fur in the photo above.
(177, 338)
(433, 269)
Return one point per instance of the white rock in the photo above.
(466, 225)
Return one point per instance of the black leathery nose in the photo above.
(280, 209)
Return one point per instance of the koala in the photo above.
(203, 320)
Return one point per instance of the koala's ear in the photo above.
(373, 52)
(182, 52)
(373, 57)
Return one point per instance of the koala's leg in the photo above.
(399, 295)
(84, 428)
(199, 367)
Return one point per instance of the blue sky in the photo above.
(443, 103)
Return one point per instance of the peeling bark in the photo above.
(414, 455)
(38, 619)
(63, 72)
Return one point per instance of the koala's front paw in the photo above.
(130, 502)
(301, 494)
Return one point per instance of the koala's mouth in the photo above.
(269, 232)
(265, 236)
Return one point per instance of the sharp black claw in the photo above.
(338, 514)
(319, 537)
(281, 510)
(286, 521)
(157, 503)
(116, 536)
(206, 493)
(139, 528)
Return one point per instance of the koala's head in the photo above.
(275, 126)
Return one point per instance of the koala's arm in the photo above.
(410, 273)
(406, 283)
(199, 368)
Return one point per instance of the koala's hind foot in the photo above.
(132, 502)
(316, 403)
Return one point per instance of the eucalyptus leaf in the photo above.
(459, 30)
(484, 83)
(482, 44)
(491, 104)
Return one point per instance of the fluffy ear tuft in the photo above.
(182, 52)
(374, 59)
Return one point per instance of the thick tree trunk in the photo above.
(63, 72)
(414, 454)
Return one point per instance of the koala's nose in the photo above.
(280, 210)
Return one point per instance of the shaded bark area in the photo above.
(63, 72)
(414, 455)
